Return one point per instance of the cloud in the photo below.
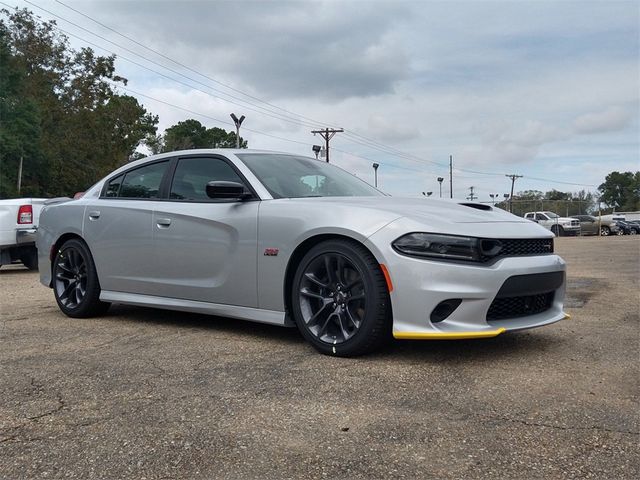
(610, 120)
(507, 87)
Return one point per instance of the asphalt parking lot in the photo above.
(144, 394)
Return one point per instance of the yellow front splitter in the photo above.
(452, 335)
(447, 335)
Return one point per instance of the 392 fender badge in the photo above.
(271, 252)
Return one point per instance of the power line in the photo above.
(186, 66)
(266, 111)
(258, 132)
(353, 136)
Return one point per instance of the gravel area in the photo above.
(149, 394)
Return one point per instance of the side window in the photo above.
(143, 182)
(193, 174)
(539, 216)
(114, 187)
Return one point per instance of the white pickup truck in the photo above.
(560, 226)
(18, 226)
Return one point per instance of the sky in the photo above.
(549, 90)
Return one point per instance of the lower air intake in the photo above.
(513, 307)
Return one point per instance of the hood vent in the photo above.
(477, 206)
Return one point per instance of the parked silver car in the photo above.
(293, 241)
(590, 225)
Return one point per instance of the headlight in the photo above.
(435, 245)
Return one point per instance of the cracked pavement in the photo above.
(149, 394)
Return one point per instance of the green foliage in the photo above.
(191, 133)
(622, 191)
(59, 110)
(563, 203)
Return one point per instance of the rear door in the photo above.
(118, 228)
(205, 249)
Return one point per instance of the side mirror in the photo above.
(227, 190)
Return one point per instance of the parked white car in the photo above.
(560, 226)
(18, 226)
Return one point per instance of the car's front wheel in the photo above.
(605, 231)
(75, 281)
(340, 299)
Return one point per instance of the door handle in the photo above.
(94, 215)
(163, 222)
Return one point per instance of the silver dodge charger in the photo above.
(292, 241)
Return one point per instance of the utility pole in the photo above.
(451, 176)
(513, 178)
(471, 196)
(20, 171)
(327, 134)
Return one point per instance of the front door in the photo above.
(205, 249)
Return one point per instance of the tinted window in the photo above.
(193, 174)
(290, 176)
(114, 187)
(143, 182)
(539, 216)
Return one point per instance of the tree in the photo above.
(19, 122)
(621, 191)
(59, 107)
(190, 134)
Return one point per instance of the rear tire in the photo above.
(605, 231)
(30, 259)
(340, 301)
(75, 281)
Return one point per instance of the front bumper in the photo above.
(419, 285)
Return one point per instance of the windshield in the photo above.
(551, 215)
(290, 176)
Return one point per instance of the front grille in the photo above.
(575, 223)
(513, 307)
(518, 247)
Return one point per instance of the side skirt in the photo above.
(232, 311)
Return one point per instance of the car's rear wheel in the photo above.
(605, 231)
(75, 281)
(30, 259)
(340, 300)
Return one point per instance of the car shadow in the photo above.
(454, 351)
(402, 351)
(16, 270)
(187, 320)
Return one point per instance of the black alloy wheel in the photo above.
(340, 299)
(75, 282)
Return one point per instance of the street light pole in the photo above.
(238, 122)
(440, 180)
(375, 174)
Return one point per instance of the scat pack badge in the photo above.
(271, 252)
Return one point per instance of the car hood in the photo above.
(421, 209)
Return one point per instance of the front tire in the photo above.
(340, 301)
(557, 231)
(605, 231)
(75, 281)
